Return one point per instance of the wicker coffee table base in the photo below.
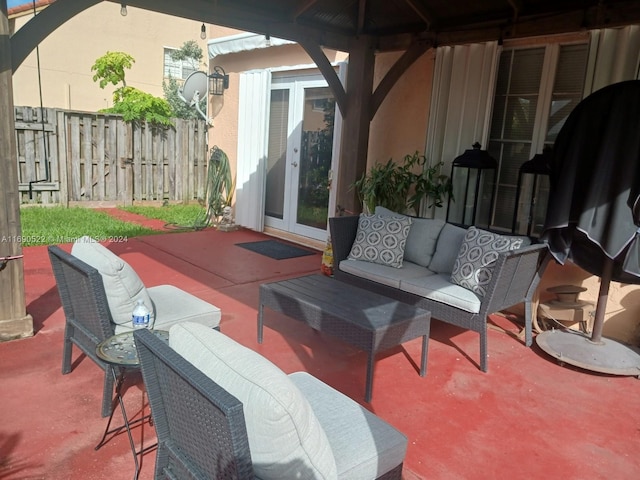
(363, 319)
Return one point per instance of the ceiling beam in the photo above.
(257, 20)
(425, 15)
(303, 7)
(615, 15)
(362, 16)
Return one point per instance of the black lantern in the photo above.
(533, 181)
(471, 183)
(218, 81)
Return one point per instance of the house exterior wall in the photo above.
(400, 125)
(224, 109)
(400, 128)
(66, 56)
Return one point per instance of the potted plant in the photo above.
(401, 187)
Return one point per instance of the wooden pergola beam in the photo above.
(14, 320)
(425, 15)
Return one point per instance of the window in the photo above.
(536, 90)
(178, 69)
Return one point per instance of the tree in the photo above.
(133, 104)
(191, 53)
(110, 68)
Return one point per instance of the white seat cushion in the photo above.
(121, 283)
(383, 274)
(365, 446)
(285, 437)
(173, 305)
(440, 289)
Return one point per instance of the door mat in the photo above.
(275, 249)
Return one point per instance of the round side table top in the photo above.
(121, 349)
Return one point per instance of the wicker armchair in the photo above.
(88, 319)
(88, 305)
(205, 431)
(200, 426)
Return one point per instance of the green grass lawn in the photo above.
(186, 216)
(54, 225)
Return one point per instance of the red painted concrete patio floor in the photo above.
(527, 417)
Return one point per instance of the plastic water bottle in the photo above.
(141, 315)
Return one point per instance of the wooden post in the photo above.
(14, 320)
(355, 135)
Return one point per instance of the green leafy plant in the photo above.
(133, 104)
(401, 187)
(110, 68)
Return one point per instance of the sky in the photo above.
(13, 3)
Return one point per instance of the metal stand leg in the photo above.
(260, 321)
(119, 378)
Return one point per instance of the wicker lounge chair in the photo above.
(89, 309)
(287, 426)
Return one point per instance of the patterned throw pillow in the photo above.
(381, 239)
(478, 253)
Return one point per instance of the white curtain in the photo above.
(253, 113)
(461, 99)
(614, 56)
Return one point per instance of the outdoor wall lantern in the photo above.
(533, 182)
(218, 81)
(473, 188)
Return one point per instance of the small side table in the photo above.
(119, 351)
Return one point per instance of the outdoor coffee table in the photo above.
(363, 319)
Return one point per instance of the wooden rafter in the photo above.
(362, 15)
(303, 7)
(425, 15)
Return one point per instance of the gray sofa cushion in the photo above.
(364, 445)
(447, 248)
(440, 289)
(285, 437)
(381, 239)
(422, 238)
(381, 273)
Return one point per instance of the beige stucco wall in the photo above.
(400, 125)
(66, 56)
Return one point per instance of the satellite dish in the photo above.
(193, 89)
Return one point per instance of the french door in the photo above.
(300, 149)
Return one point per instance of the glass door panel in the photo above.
(316, 148)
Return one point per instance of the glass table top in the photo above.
(120, 349)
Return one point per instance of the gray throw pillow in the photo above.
(381, 239)
(473, 268)
(422, 238)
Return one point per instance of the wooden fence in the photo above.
(67, 157)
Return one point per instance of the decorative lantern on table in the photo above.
(474, 186)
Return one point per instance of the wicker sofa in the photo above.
(433, 259)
